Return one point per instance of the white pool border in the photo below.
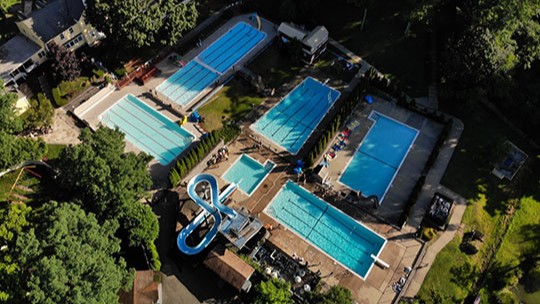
(417, 132)
(198, 61)
(259, 183)
(252, 126)
(320, 249)
(100, 118)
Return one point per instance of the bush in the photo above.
(121, 71)
(58, 99)
(506, 296)
(99, 73)
(155, 263)
(428, 233)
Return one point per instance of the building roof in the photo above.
(145, 289)
(292, 31)
(15, 52)
(229, 266)
(56, 17)
(317, 37)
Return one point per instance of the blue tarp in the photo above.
(369, 99)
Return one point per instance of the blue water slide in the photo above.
(215, 209)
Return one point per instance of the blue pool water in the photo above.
(379, 156)
(338, 235)
(291, 122)
(248, 173)
(147, 129)
(201, 72)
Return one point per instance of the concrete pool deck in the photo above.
(399, 252)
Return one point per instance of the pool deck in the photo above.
(399, 252)
(168, 69)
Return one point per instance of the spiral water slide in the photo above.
(214, 209)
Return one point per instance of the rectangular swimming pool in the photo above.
(147, 129)
(290, 123)
(339, 236)
(201, 72)
(379, 157)
(248, 173)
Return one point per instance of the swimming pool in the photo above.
(147, 129)
(248, 173)
(379, 157)
(345, 240)
(290, 123)
(201, 72)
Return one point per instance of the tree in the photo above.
(13, 219)
(40, 114)
(65, 65)
(15, 150)
(273, 291)
(138, 23)
(68, 257)
(141, 223)
(99, 173)
(335, 295)
(474, 57)
(6, 4)
(9, 121)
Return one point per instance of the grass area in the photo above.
(6, 182)
(521, 243)
(232, 102)
(469, 174)
(35, 185)
(381, 41)
(275, 66)
(54, 150)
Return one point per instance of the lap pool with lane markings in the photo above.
(147, 129)
(201, 72)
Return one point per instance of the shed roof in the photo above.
(56, 17)
(317, 37)
(229, 266)
(291, 31)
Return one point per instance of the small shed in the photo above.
(313, 43)
(230, 268)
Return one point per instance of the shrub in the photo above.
(58, 99)
(121, 71)
(155, 263)
(428, 233)
(99, 73)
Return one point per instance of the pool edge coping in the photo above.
(317, 247)
(312, 130)
(356, 150)
(259, 183)
(194, 138)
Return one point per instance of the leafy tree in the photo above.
(273, 291)
(474, 57)
(13, 219)
(9, 121)
(337, 295)
(15, 150)
(40, 114)
(141, 223)
(65, 65)
(101, 174)
(532, 279)
(138, 23)
(68, 257)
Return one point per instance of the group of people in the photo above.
(222, 154)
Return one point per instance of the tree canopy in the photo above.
(110, 183)
(66, 256)
(9, 121)
(138, 23)
(273, 291)
(65, 64)
(15, 150)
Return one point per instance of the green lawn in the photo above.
(54, 150)
(232, 102)
(275, 66)
(469, 174)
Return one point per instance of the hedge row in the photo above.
(379, 82)
(413, 197)
(58, 99)
(155, 263)
(345, 109)
(197, 153)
